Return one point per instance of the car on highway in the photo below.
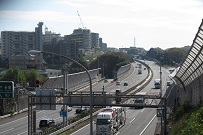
(80, 110)
(118, 83)
(46, 122)
(125, 84)
(69, 108)
(168, 83)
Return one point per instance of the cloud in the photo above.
(72, 3)
(37, 15)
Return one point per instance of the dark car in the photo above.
(125, 84)
(80, 110)
(46, 122)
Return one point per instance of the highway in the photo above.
(139, 121)
(18, 125)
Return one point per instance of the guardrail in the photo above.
(73, 124)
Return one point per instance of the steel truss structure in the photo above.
(99, 100)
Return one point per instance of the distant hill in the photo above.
(186, 48)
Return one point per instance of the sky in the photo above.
(120, 23)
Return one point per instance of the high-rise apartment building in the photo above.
(95, 40)
(50, 37)
(103, 46)
(69, 47)
(18, 43)
(83, 38)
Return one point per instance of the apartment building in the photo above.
(16, 44)
(95, 40)
(103, 46)
(50, 37)
(83, 38)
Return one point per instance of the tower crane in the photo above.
(81, 20)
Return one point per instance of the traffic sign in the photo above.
(63, 113)
(6, 89)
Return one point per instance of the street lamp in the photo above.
(34, 52)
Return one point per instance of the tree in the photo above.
(174, 54)
(32, 76)
(110, 62)
(155, 53)
(15, 75)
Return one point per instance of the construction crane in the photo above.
(81, 20)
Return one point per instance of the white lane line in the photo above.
(147, 125)
(6, 130)
(13, 121)
(17, 120)
(22, 133)
(117, 133)
(143, 109)
(79, 129)
(132, 120)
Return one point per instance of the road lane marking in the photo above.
(22, 133)
(6, 130)
(132, 120)
(117, 133)
(147, 125)
(137, 115)
(17, 120)
(79, 129)
(13, 121)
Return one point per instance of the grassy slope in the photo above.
(189, 124)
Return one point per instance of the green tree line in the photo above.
(22, 78)
(168, 56)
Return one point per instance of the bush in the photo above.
(182, 110)
(191, 123)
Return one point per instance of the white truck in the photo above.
(139, 65)
(139, 68)
(140, 100)
(157, 83)
(110, 120)
(139, 71)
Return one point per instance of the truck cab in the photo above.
(110, 120)
(104, 123)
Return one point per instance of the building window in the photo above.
(30, 46)
(30, 38)
(17, 46)
(17, 38)
(17, 53)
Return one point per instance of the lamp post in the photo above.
(160, 90)
(34, 52)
